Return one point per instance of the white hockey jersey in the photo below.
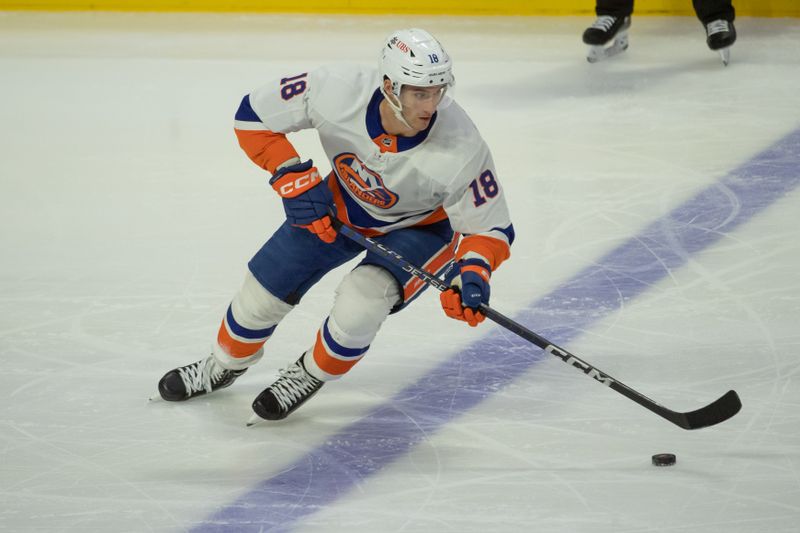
(382, 182)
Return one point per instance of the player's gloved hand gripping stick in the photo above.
(306, 200)
(717, 411)
(472, 289)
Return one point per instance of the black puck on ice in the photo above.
(664, 459)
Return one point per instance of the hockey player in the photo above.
(614, 19)
(409, 168)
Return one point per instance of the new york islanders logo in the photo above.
(364, 183)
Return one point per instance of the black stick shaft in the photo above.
(714, 413)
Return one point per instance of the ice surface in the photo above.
(654, 198)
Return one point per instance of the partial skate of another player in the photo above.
(606, 29)
(720, 35)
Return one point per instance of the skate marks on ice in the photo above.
(391, 430)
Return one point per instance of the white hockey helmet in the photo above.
(415, 57)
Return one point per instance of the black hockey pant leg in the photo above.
(710, 10)
(614, 8)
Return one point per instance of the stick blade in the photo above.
(718, 411)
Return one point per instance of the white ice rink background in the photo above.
(655, 202)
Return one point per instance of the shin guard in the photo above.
(250, 320)
(364, 299)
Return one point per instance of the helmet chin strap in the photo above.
(397, 108)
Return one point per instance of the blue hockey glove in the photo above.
(469, 289)
(307, 201)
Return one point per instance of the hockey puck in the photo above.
(664, 459)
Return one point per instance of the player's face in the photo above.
(419, 104)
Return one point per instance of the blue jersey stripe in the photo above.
(508, 232)
(245, 112)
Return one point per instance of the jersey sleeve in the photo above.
(267, 114)
(476, 206)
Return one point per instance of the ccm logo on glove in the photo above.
(291, 184)
(307, 201)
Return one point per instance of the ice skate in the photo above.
(202, 377)
(606, 29)
(720, 35)
(291, 390)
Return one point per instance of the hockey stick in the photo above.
(718, 411)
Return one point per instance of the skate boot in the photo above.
(291, 390)
(720, 35)
(206, 375)
(604, 30)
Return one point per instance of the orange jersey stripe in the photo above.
(433, 218)
(341, 210)
(266, 149)
(414, 285)
(338, 201)
(236, 348)
(494, 250)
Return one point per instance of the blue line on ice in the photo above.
(468, 377)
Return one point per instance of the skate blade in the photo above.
(598, 53)
(255, 419)
(725, 54)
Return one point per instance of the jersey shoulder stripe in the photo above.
(246, 118)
